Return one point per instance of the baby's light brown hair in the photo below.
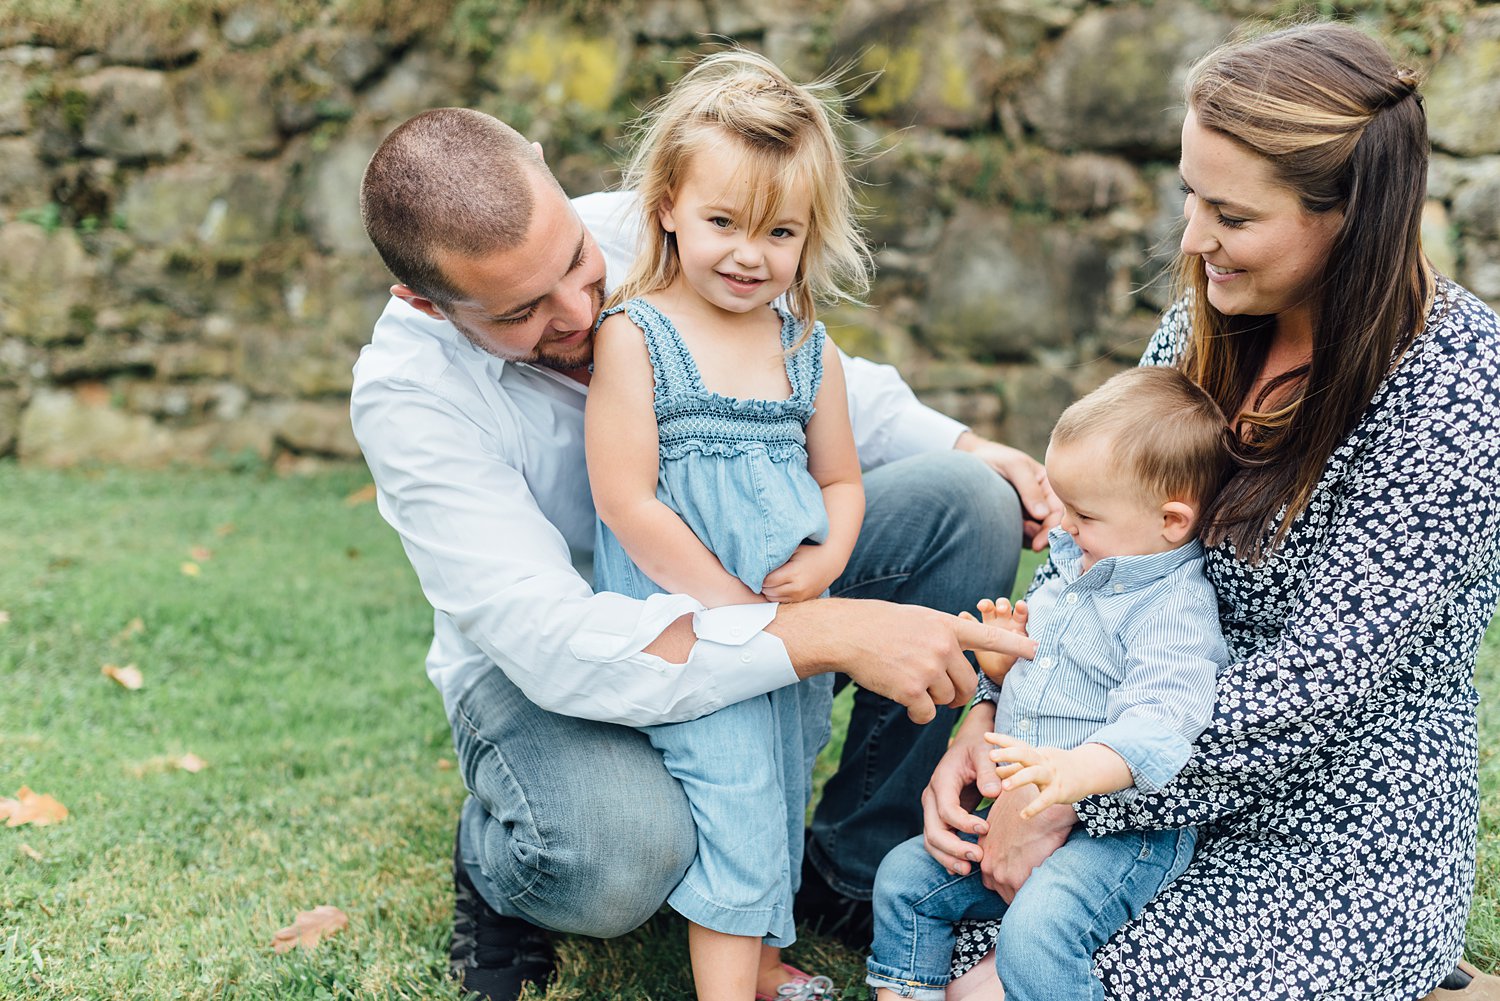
(1165, 432)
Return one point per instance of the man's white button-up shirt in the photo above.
(479, 466)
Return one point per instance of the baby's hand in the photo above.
(999, 613)
(803, 576)
(1061, 776)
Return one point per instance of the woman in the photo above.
(1354, 553)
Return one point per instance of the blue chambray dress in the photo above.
(736, 472)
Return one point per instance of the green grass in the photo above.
(292, 663)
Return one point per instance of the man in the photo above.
(468, 404)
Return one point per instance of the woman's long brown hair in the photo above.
(1345, 129)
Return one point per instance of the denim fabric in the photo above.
(736, 472)
(577, 826)
(940, 530)
(1065, 910)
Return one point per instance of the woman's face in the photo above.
(1262, 252)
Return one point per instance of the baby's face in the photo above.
(1105, 516)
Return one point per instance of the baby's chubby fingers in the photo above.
(1047, 797)
(1040, 776)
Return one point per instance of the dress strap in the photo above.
(672, 366)
(804, 368)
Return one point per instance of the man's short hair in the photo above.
(449, 179)
(1164, 430)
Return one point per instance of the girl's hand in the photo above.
(999, 613)
(806, 574)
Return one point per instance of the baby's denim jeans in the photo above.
(1067, 909)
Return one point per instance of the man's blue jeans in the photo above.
(1064, 911)
(576, 826)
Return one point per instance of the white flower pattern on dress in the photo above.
(1337, 786)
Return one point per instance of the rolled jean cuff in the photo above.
(770, 924)
(878, 976)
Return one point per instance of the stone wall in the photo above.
(183, 275)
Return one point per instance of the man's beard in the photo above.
(562, 360)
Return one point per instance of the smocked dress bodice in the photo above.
(735, 470)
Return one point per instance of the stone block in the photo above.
(422, 79)
(1476, 205)
(319, 428)
(1438, 238)
(1033, 397)
(10, 419)
(146, 42)
(549, 65)
(131, 115)
(1114, 81)
(227, 106)
(15, 117)
(48, 281)
(1006, 288)
(23, 183)
(102, 355)
(1464, 89)
(330, 202)
(202, 204)
(60, 428)
(937, 66)
(1481, 267)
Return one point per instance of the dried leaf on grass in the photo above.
(225, 529)
(201, 553)
(134, 627)
(128, 676)
(4, 617)
(191, 569)
(37, 809)
(310, 928)
(363, 495)
(189, 762)
(32, 853)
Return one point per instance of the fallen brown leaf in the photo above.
(190, 762)
(128, 676)
(225, 529)
(191, 569)
(363, 495)
(201, 553)
(310, 928)
(134, 627)
(37, 809)
(32, 853)
(444, 765)
(4, 617)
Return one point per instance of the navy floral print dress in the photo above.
(1337, 786)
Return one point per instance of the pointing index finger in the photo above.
(973, 635)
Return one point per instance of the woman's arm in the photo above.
(834, 464)
(621, 444)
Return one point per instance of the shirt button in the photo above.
(736, 632)
(1023, 725)
(1119, 588)
(1046, 662)
(1073, 598)
(744, 658)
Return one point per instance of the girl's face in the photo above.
(1263, 253)
(729, 267)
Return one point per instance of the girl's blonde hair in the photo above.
(786, 134)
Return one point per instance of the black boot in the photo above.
(491, 955)
(821, 908)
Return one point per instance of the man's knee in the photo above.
(601, 878)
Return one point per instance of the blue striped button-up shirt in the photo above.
(1127, 656)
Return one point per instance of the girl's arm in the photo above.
(621, 444)
(834, 464)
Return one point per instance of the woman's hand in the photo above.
(962, 776)
(1012, 847)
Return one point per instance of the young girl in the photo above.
(723, 465)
